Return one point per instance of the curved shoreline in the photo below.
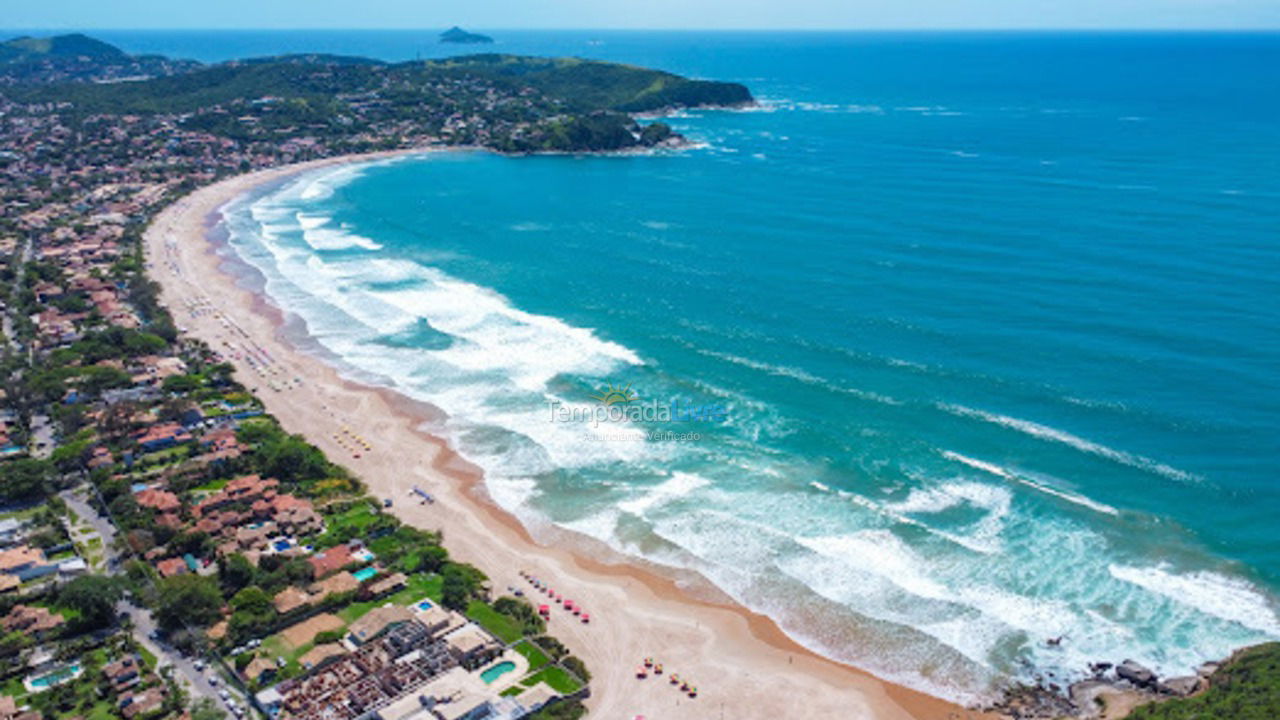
(745, 664)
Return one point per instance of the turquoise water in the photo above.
(56, 677)
(425, 605)
(981, 328)
(365, 573)
(497, 671)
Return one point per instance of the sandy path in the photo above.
(743, 665)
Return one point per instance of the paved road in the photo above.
(144, 626)
(43, 433)
(196, 682)
(6, 324)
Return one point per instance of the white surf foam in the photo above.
(998, 471)
(985, 541)
(494, 335)
(1232, 599)
(1044, 432)
(798, 374)
(679, 485)
(334, 239)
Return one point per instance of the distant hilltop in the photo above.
(456, 34)
(78, 58)
(503, 102)
(74, 45)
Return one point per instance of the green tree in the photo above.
(461, 583)
(292, 459)
(577, 667)
(561, 710)
(25, 478)
(95, 596)
(96, 378)
(72, 455)
(188, 600)
(252, 599)
(235, 572)
(180, 383)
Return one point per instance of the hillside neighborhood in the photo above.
(167, 550)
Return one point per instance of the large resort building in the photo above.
(401, 663)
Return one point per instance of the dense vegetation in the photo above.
(581, 85)
(591, 85)
(1247, 687)
(509, 103)
(76, 58)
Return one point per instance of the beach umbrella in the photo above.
(586, 618)
(648, 662)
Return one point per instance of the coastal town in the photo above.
(168, 550)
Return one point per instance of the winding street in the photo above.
(144, 626)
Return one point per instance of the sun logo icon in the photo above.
(614, 394)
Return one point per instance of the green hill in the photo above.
(590, 84)
(579, 85)
(77, 58)
(59, 46)
(509, 103)
(1247, 687)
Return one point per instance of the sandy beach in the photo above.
(743, 664)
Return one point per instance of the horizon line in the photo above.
(887, 29)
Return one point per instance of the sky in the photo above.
(641, 14)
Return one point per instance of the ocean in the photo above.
(957, 343)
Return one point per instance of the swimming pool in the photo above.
(282, 545)
(55, 677)
(425, 605)
(365, 573)
(497, 671)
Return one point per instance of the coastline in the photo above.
(742, 661)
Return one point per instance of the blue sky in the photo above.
(717, 14)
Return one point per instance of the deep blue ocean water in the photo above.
(991, 322)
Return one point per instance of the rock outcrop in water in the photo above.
(457, 35)
(1117, 691)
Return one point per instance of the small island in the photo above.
(459, 36)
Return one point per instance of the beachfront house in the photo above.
(377, 621)
(162, 436)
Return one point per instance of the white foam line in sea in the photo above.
(798, 374)
(1231, 599)
(1001, 472)
(1044, 432)
(989, 545)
